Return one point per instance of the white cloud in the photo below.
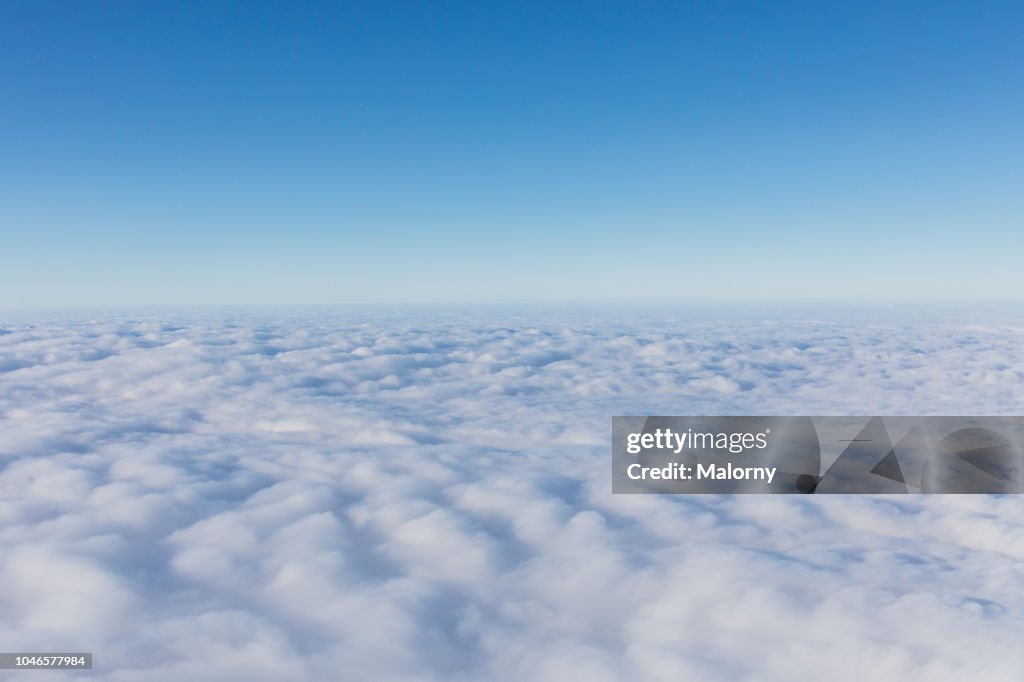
(317, 494)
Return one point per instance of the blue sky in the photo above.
(180, 153)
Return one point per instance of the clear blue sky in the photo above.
(248, 152)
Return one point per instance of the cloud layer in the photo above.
(315, 494)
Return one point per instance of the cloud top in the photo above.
(326, 494)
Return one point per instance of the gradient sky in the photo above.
(255, 152)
